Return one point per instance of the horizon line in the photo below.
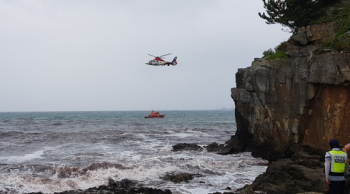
(220, 109)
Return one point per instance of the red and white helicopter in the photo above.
(158, 61)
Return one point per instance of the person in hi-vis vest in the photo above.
(335, 162)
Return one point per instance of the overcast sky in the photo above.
(90, 55)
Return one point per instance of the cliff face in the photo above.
(283, 105)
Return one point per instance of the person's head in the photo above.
(334, 143)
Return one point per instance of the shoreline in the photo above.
(129, 186)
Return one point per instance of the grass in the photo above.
(278, 55)
(274, 54)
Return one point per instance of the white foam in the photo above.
(180, 135)
(90, 179)
(219, 173)
(26, 157)
(103, 147)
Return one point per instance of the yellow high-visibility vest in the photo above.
(338, 161)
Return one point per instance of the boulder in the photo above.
(124, 186)
(232, 146)
(179, 177)
(214, 147)
(291, 176)
(187, 147)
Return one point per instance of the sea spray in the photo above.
(88, 148)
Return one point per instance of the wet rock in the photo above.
(187, 147)
(124, 186)
(311, 193)
(232, 146)
(125, 183)
(214, 147)
(66, 172)
(179, 177)
(103, 165)
(302, 173)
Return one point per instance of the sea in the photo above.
(57, 151)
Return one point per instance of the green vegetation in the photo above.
(294, 13)
(274, 54)
(299, 13)
(341, 17)
(278, 55)
(268, 53)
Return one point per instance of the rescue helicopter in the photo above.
(158, 61)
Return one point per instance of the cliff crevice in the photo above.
(286, 112)
(287, 109)
(292, 101)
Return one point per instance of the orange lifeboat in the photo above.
(155, 115)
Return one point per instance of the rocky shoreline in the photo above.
(287, 109)
(127, 186)
(124, 186)
(301, 173)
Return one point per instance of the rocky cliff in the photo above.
(304, 100)
(287, 109)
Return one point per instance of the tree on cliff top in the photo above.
(294, 13)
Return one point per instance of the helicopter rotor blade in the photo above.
(152, 55)
(165, 55)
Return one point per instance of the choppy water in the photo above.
(56, 151)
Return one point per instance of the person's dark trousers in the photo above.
(336, 187)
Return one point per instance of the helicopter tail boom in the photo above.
(174, 62)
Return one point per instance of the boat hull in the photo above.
(159, 116)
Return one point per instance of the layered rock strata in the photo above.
(288, 109)
(284, 104)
